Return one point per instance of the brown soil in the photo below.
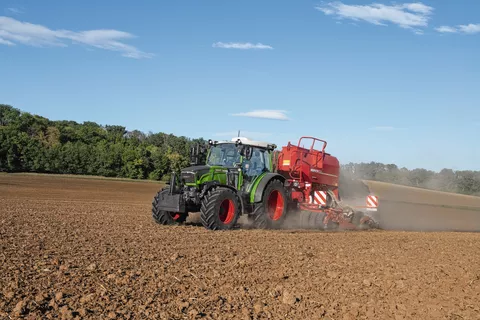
(81, 248)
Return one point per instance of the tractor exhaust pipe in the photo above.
(173, 180)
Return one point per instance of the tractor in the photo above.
(246, 177)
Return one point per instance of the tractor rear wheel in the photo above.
(165, 217)
(272, 211)
(220, 209)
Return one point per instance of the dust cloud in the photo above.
(420, 217)
(413, 209)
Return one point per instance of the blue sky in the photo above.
(394, 82)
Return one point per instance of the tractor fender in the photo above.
(263, 184)
(216, 184)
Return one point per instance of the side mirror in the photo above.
(271, 147)
(248, 153)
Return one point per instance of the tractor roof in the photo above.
(253, 143)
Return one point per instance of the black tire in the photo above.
(165, 217)
(305, 217)
(272, 211)
(220, 209)
(312, 220)
(357, 216)
(316, 220)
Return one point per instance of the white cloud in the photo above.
(446, 29)
(407, 15)
(464, 28)
(470, 28)
(418, 7)
(6, 42)
(241, 45)
(14, 31)
(14, 10)
(264, 114)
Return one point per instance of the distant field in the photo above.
(74, 248)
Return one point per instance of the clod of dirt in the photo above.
(63, 267)
(257, 308)
(82, 312)
(332, 274)
(59, 296)
(183, 306)
(175, 257)
(92, 267)
(193, 313)
(88, 298)
(66, 313)
(19, 308)
(149, 301)
(53, 305)
(399, 284)
(9, 295)
(289, 298)
(40, 298)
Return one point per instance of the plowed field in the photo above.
(73, 248)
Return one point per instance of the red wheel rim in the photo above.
(175, 215)
(275, 205)
(227, 211)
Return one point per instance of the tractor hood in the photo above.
(191, 174)
(200, 170)
(201, 174)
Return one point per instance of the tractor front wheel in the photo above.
(165, 217)
(272, 212)
(220, 209)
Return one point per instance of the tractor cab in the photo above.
(241, 152)
(251, 158)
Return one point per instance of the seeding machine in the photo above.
(245, 177)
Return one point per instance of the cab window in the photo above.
(258, 163)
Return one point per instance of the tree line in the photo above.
(31, 143)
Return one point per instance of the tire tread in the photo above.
(208, 214)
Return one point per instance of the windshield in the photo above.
(225, 154)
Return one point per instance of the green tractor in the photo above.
(237, 179)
